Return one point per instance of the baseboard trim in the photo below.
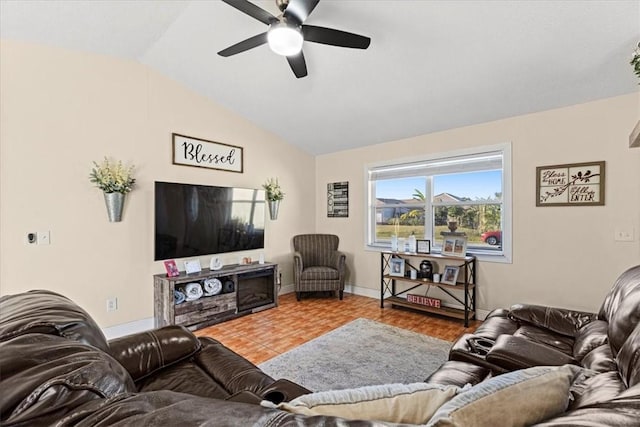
(129, 328)
(142, 325)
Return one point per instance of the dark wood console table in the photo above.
(209, 310)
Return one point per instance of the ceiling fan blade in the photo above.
(252, 10)
(247, 44)
(300, 9)
(333, 37)
(298, 65)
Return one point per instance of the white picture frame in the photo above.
(450, 275)
(396, 267)
(454, 246)
(192, 266)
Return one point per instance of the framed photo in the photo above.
(455, 246)
(450, 275)
(172, 268)
(192, 266)
(424, 246)
(573, 184)
(396, 267)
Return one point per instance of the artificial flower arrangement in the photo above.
(635, 61)
(112, 177)
(274, 192)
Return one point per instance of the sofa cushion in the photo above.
(620, 308)
(47, 312)
(628, 359)
(600, 359)
(396, 403)
(48, 376)
(516, 398)
(588, 337)
(320, 273)
(595, 388)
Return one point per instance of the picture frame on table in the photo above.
(450, 275)
(423, 246)
(192, 266)
(171, 268)
(396, 267)
(455, 246)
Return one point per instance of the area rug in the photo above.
(362, 352)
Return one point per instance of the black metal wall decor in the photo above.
(338, 199)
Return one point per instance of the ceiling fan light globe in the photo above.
(285, 40)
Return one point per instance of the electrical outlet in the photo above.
(623, 235)
(44, 237)
(112, 304)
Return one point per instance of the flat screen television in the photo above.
(195, 220)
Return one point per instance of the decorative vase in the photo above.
(273, 209)
(115, 204)
(394, 243)
(453, 226)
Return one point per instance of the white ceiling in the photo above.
(432, 65)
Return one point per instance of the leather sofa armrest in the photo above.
(245, 396)
(145, 353)
(514, 352)
(283, 390)
(559, 320)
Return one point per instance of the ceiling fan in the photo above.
(287, 32)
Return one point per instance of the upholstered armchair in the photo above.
(317, 264)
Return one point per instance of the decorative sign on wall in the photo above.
(201, 153)
(575, 184)
(338, 199)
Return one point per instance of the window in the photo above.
(467, 190)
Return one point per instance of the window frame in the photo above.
(492, 255)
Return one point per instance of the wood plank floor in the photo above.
(261, 336)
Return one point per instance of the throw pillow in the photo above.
(397, 403)
(517, 398)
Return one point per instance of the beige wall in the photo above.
(562, 256)
(61, 110)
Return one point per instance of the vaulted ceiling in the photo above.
(431, 66)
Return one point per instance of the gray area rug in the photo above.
(362, 352)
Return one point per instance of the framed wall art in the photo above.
(338, 199)
(189, 151)
(574, 184)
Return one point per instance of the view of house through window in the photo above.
(427, 198)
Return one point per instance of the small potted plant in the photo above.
(274, 195)
(115, 180)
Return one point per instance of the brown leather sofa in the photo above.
(607, 342)
(56, 368)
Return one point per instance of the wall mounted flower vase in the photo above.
(115, 205)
